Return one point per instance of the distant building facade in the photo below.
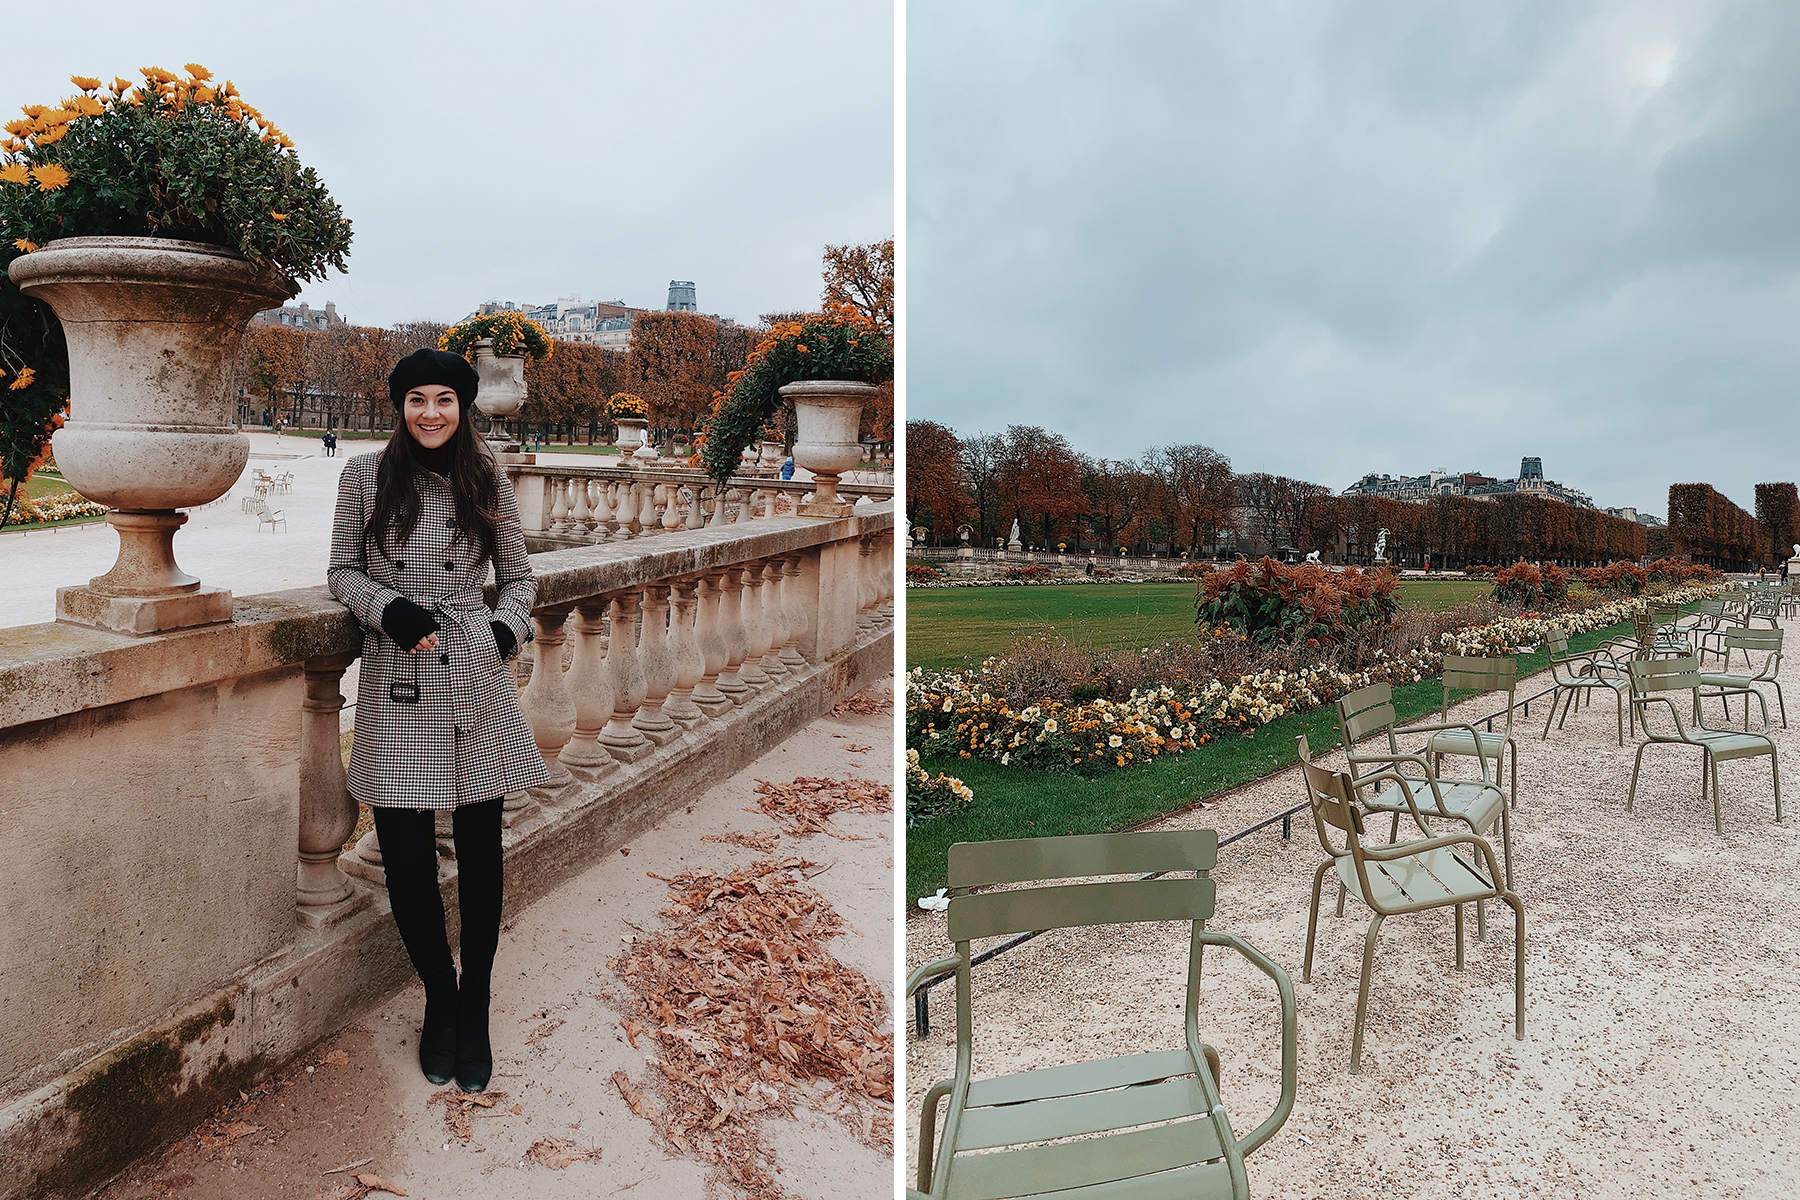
(682, 297)
(603, 323)
(300, 316)
(1419, 488)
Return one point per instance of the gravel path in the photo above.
(1660, 1056)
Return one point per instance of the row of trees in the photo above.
(678, 362)
(1186, 498)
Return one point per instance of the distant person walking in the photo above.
(330, 440)
(438, 724)
(787, 468)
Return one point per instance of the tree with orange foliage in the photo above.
(935, 496)
(1039, 481)
(863, 277)
(671, 367)
(275, 361)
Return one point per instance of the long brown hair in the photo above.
(472, 487)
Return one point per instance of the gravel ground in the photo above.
(1660, 1056)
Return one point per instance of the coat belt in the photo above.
(469, 612)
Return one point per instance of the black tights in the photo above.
(408, 840)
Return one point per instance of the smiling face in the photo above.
(432, 414)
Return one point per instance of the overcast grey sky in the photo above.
(1326, 239)
(531, 150)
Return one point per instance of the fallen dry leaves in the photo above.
(457, 1106)
(748, 1007)
(763, 842)
(556, 1154)
(864, 703)
(362, 1187)
(543, 1031)
(337, 1058)
(806, 806)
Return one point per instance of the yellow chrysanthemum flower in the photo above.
(51, 137)
(84, 82)
(23, 244)
(156, 75)
(278, 216)
(50, 176)
(15, 173)
(197, 71)
(26, 375)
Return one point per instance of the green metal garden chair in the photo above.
(1766, 642)
(1479, 676)
(1404, 877)
(1478, 804)
(1655, 681)
(1141, 1125)
(1579, 676)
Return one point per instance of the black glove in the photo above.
(407, 623)
(504, 639)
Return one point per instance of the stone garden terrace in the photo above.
(183, 912)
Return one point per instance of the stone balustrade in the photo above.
(584, 506)
(183, 912)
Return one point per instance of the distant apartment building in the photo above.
(1419, 488)
(682, 297)
(603, 323)
(300, 316)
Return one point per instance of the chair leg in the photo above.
(1775, 773)
(1631, 792)
(1518, 907)
(1459, 937)
(1708, 761)
(1340, 904)
(1515, 777)
(928, 1129)
(1782, 702)
(1554, 697)
(1506, 845)
(1312, 922)
(1481, 920)
(1362, 994)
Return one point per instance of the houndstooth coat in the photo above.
(465, 740)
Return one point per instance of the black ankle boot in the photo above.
(437, 1036)
(474, 1052)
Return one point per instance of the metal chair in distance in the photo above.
(1655, 681)
(1766, 642)
(1480, 676)
(1417, 875)
(1597, 669)
(1141, 1125)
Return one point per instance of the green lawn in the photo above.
(958, 627)
(1010, 802)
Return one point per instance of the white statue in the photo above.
(1312, 558)
(1381, 545)
(1797, 549)
(1014, 536)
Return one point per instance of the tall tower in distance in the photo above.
(1529, 468)
(681, 296)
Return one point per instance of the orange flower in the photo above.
(15, 173)
(50, 176)
(26, 375)
(120, 86)
(156, 75)
(26, 246)
(198, 72)
(83, 82)
(278, 216)
(53, 136)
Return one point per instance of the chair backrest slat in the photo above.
(1480, 674)
(1365, 710)
(990, 914)
(973, 864)
(1665, 674)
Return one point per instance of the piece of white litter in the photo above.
(937, 903)
(1304, 1138)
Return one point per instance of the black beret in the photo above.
(433, 366)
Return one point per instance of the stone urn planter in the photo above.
(632, 435)
(828, 413)
(769, 461)
(501, 394)
(153, 327)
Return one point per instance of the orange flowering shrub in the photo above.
(1305, 605)
(841, 343)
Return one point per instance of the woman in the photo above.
(438, 724)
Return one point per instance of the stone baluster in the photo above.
(591, 692)
(696, 514)
(721, 498)
(672, 514)
(548, 709)
(774, 616)
(650, 518)
(689, 657)
(657, 658)
(865, 587)
(580, 515)
(627, 670)
(795, 615)
(731, 627)
(625, 512)
(756, 628)
(603, 510)
(559, 508)
(327, 813)
(886, 572)
(709, 631)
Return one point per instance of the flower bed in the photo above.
(965, 713)
(929, 796)
(50, 509)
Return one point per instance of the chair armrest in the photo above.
(1289, 1035)
(920, 975)
(1405, 790)
(1403, 849)
(1445, 728)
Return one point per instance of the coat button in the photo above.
(449, 566)
(399, 565)
(444, 658)
(451, 523)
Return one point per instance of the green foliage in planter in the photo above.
(839, 344)
(514, 336)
